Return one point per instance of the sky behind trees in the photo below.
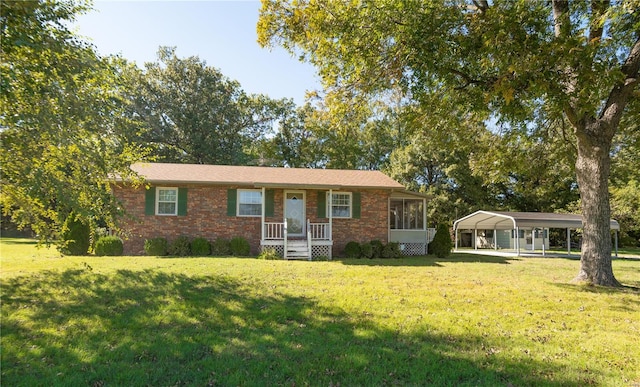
(222, 33)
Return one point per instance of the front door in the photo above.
(294, 212)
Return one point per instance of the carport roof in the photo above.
(499, 220)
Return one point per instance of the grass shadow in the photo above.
(150, 327)
(429, 260)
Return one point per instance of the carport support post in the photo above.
(616, 240)
(495, 239)
(455, 237)
(568, 241)
(518, 241)
(475, 239)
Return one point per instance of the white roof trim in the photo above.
(489, 220)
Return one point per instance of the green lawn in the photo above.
(465, 320)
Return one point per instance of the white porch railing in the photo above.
(319, 231)
(316, 231)
(274, 230)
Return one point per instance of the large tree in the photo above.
(192, 113)
(576, 61)
(62, 120)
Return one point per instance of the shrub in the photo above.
(441, 244)
(269, 254)
(220, 247)
(377, 248)
(391, 250)
(352, 250)
(155, 246)
(180, 247)
(76, 236)
(366, 250)
(109, 245)
(239, 247)
(200, 247)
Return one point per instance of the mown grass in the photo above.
(465, 320)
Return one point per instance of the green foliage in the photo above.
(556, 70)
(269, 254)
(221, 247)
(180, 247)
(239, 247)
(155, 246)
(352, 249)
(76, 236)
(200, 247)
(391, 250)
(377, 246)
(221, 123)
(366, 250)
(625, 208)
(109, 245)
(63, 120)
(441, 245)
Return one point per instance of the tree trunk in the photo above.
(592, 170)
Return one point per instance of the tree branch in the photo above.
(561, 20)
(481, 5)
(598, 8)
(619, 96)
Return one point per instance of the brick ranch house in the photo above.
(301, 213)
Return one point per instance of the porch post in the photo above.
(568, 241)
(495, 239)
(262, 218)
(330, 210)
(616, 241)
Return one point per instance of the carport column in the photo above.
(455, 238)
(533, 239)
(569, 241)
(475, 239)
(616, 240)
(495, 239)
(517, 241)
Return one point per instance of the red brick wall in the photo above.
(207, 217)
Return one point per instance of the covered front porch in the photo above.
(316, 242)
(298, 236)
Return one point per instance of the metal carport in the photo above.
(499, 220)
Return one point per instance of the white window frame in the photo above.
(158, 189)
(331, 203)
(239, 194)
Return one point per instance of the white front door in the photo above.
(294, 212)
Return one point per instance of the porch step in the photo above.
(297, 249)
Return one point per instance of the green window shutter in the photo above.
(150, 201)
(182, 201)
(232, 196)
(355, 205)
(322, 204)
(269, 204)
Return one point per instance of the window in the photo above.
(406, 214)
(167, 201)
(249, 202)
(340, 205)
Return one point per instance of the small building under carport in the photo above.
(518, 231)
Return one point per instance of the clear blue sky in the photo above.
(222, 33)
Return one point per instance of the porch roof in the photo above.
(499, 220)
(166, 173)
